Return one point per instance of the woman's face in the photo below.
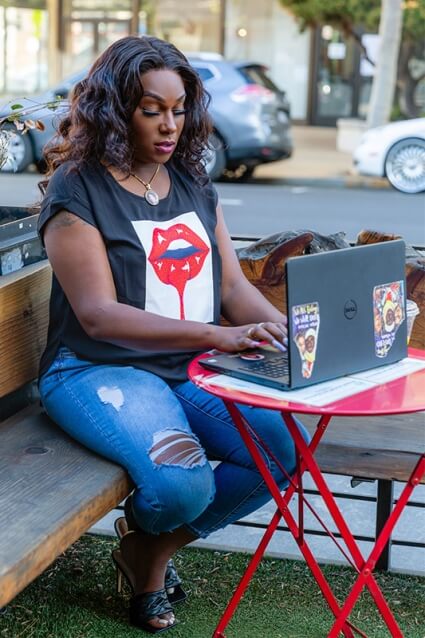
(158, 121)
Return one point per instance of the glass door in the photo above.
(87, 37)
(89, 27)
(335, 88)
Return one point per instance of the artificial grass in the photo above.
(76, 598)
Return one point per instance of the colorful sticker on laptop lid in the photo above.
(305, 333)
(388, 315)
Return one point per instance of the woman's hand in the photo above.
(250, 335)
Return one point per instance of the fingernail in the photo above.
(278, 345)
(285, 341)
(255, 343)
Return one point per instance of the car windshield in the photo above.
(256, 74)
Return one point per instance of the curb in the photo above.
(348, 181)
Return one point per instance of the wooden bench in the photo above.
(52, 490)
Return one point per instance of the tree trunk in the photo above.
(386, 68)
(406, 83)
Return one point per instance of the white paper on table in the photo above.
(392, 371)
(326, 392)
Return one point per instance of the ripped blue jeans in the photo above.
(164, 437)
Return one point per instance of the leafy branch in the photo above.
(20, 117)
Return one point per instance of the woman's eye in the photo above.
(149, 113)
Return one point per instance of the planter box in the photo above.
(19, 242)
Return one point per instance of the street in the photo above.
(263, 207)
(259, 209)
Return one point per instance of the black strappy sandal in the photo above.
(173, 583)
(143, 607)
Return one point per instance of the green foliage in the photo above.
(352, 14)
(344, 14)
(414, 21)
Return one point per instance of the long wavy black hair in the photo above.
(98, 124)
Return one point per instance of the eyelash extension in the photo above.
(154, 113)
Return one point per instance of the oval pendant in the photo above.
(151, 197)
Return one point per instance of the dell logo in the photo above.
(350, 309)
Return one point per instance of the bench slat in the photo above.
(24, 301)
(386, 447)
(48, 499)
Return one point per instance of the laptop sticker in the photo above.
(252, 356)
(388, 315)
(305, 331)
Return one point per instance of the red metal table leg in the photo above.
(348, 538)
(252, 566)
(282, 503)
(246, 578)
(362, 581)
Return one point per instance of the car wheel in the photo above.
(405, 165)
(20, 153)
(215, 157)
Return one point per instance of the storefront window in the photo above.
(23, 47)
(191, 26)
(89, 27)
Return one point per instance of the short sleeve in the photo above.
(211, 192)
(214, 194)
(65, 191)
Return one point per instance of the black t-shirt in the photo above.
(164, 259)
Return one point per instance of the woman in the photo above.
(143, 266)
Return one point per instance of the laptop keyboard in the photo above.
(278, 367)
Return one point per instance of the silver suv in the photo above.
(251, 119)
(251, 116)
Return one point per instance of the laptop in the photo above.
(346, 313)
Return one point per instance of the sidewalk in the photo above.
(360, 515)
(316, 161)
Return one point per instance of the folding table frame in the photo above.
(399, 396)
(363, 566)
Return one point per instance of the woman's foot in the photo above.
(145, 569)
(173, 583)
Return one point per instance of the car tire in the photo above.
(405, 165)
(20, 152)
(215, 157)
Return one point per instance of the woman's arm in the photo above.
(78, 257)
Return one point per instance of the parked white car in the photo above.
(395, 151)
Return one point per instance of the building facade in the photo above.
(43, 41)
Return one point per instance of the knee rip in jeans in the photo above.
(174, 447)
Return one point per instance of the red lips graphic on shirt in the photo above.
(177, 255)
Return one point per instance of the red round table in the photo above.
(399, 396)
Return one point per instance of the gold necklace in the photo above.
(151, 196)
